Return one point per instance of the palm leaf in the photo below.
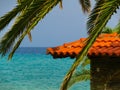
(86, 5)
(100, 15)
(107, 30)
(42, 10)
(30, 36)
(85, 63)
(5, 20)
(29, 28)
(60, 4)
(82, 75)
(112, 30)
(117, 27)
(19, 41)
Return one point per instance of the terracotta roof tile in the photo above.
(105, 45)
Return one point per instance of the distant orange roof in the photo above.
(105, 45)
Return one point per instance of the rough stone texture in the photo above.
(105, 73)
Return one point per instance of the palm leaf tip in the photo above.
(30, 36)
(60, 4)
(86, 5)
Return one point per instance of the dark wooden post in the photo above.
(105, 73)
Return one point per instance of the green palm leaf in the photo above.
(82, 75)
(29, 28)
(29, 34)
(86, 5)
(107, 30)
(117, 27)
(36, 11)
(5, 20)
(85, 63)
(26, 12)
(100, 15)
(46, 6)
(112, 30)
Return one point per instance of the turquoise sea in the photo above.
(32, 69)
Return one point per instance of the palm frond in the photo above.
(97, 13)
(100, 15)
(60, 4)
(19, 42)
(86, 62)
(30, 36)
(5, 20)
(79, 76)
(19, 1)
(107, 30)
(117, 27)
(35, 12)
(29, 28)
(86, 5)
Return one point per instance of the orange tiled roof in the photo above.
(105, 45)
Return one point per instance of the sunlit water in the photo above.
(32, 69)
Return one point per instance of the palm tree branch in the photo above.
(24, 9)
(22, 21)
(96, 28)
(29, 36)
(117, 27)
(60, 4)
(82, 75)
(5, 20)
(86, 62)
(86, 5)
(35, 20)
(22, 37)
(107, 30)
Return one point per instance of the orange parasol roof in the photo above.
(105, 45)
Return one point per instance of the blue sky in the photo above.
(58, 27)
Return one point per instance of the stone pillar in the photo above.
(105, 73)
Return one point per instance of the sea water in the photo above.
(32, 69)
